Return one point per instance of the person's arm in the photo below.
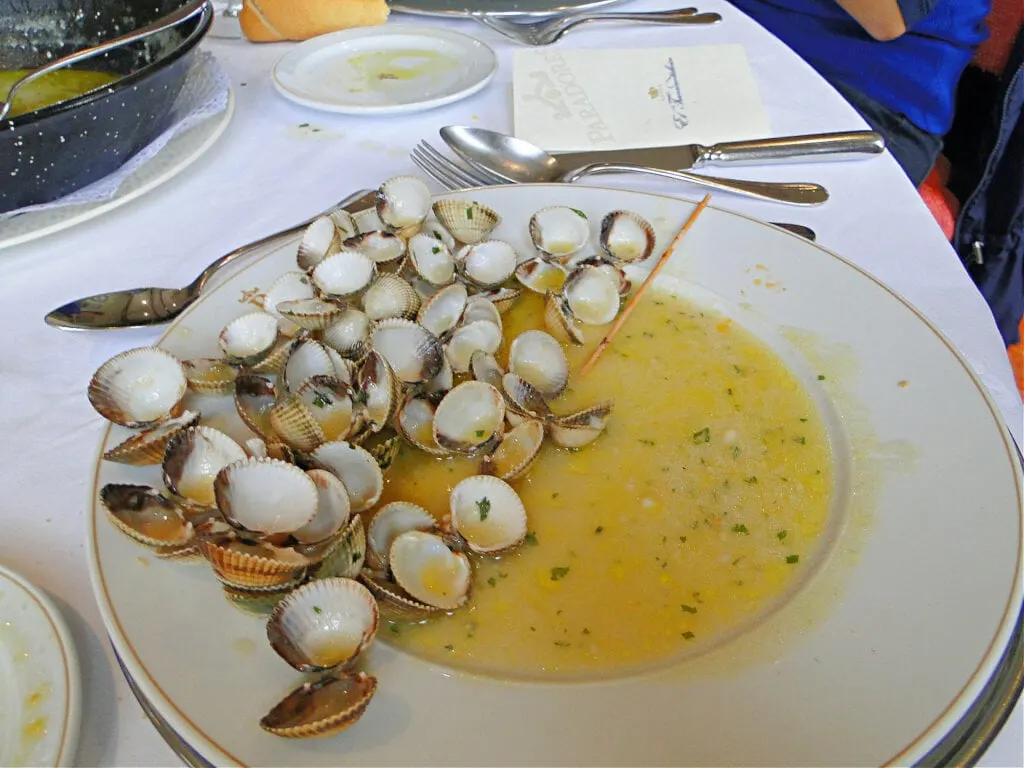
(882, 19)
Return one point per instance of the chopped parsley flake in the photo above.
(802, 440)
(559, 572)
(317, 610)
(781, 535)
(703, 436)
(562, 644)
(736, 451)
(752, 480)
(484, 508)
(449, 647)
(688, 608)
(469, 214)
(435, 249)
(531, 539)
(395, 628)
(599, 529)
(360, 397)
(492, 581)
(480, 433)
(821, 377)
(578, 212)
(586, 631)
(320, 400)
(740, 528)
(792, 559)
(688, 635)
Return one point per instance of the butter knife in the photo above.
(138, 307)
(852, 145)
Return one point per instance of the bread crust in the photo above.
(265, 21)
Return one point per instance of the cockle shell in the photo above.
(139, 388)
(468, 222)
(538, 359)
(559, 231)
(488, 514)
(424, 566)
(470, 418)
(321, 708)
(149, 446)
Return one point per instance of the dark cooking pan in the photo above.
(56, 150)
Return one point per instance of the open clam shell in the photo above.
(248, 564)
(139, 388)
(559, 231)
(309, 358)
(385, 449)
(442, 312)
(356, 468)
(432, 259)
(248, 339)
(484, 367)
(192, 460)
(329, 402)
(413, 352)
(610, 268)
(415, 423)
(379, 390)
(503, 299)
(266, 496)
(541, 276)
(582, 428)
(394, 603)
(209, 376)
(592, 295)
(344, 274)
(323, 625)
(146, 516)
(258, 603)
(274, 362)
(470, 419)
(342, 556)
(402, 202)
(480, 308)
(149, 446)
(293, 422)
(432, 227)
(487, 264)
(467, 339)
(424, 566)
(311, 314)
(523, 397)
(345, 223)
(378, 247)
(367, 220)
(438, 386)
(518, 449)
(537, 358)
(332, 509)
(390, 522)
(321, 708)
(468, 222)
(559, 321)
(255, 397)
(319, 240)
(488, 514)
(390, 296)
(291, 286)
(349, 335)
(626, 237)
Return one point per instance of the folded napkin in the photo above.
(204, 95)
(577, 100)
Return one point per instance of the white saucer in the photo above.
(40, 690)
(384, 70)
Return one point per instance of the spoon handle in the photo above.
(793, 193)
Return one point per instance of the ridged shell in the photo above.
(255, 396)
(311, 314)
(323, 625)
(259, 603)
(349, 335)
(319, 240)
(431, 259)
(344, 274)
(385, 450)
(307, 359)
(442, 312)
(537, 358)
(139, 388)
(488, 514)
(148, 447)
(402, 201)
(390, 296)
(332, 509)
(484, 367)
(582, 428)
(468, 339)
(380, 390)
(394, 603)
(541, 276)
(291, 286)
(432, 227)
(480, 308)
(250, 565)
(345, 223)
(503, 299)
(367, 220)
(613, 270)
(519, 448)
(524, 397)
(487, 264)
(415, 423)
(345, 555)
(470, 418)
(467, 222)
(391, 521)
(209, 376)
(266, 496)
(294, 424)
(378, 247)
(626, 236)
(274, 362)
(146, 515)
(329, 402)
(193, 458)
(440, 384)
(356, 468)
(249, 338)
(321, 708)
(414, 554)
(592, 295)
(559, 231)
(559, 321)
(413, 352)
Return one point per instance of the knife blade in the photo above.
(816, 147)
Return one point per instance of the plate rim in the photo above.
(467, 42)
(917, 747)
(215, 124)
(69, 655)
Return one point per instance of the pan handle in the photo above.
(173, 19)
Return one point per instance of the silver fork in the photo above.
(451, 175)
(548, 31)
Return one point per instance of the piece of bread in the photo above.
(265, 21)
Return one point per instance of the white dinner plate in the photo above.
(384, 70)
(871, 661)
(177, 155)
(40, 690)
(497, 7)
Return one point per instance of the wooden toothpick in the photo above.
(607, 340)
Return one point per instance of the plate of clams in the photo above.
(359, 506)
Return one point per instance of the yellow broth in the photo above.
(695, 511)
(50, 89)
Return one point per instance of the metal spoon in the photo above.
(170, 20)
(151, 306)
(521, 162)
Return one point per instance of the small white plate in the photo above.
(384, 70)
(40, 696)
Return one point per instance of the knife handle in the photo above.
(851, 145)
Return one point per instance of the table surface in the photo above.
(277, 164)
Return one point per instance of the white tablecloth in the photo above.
(267, 173)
